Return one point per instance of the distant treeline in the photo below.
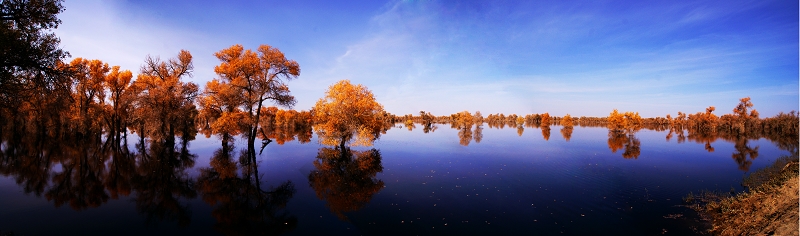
(738, 127)
(743, 121)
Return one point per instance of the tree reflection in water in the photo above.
(566, 132)
(628, 141)
(29, 160)
(86, 172)
(80, 180)
(545, 132)
(465, 135)
(478, 136)
(161, 182)
(241, 206)
(743, 151)
(345, 179)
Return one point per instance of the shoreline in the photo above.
(769, 207)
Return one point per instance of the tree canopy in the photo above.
(348, 113)
(29, 50)
(233, 103)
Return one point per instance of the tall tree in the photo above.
(165, 104)
(29, 50)
(348, 113)
(88, 92)
(118, 83)
(246, 80)
(744, 117)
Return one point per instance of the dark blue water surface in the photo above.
(412, 183)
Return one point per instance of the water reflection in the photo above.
(282, 132)
(162, 183)
(121, 169)
(429, 127)
(29, 160)
(566, 132)
(87, 172)
(79, 182)
(345, 179)
(465, 135)
(743, 154)
(241, 207)
(743, 151)
(624, 140)
(546, 133)
(478, 134)
(706, 138)
(627, 141)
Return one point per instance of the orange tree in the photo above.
(118, 82)
(348, 113)
(629, 122)
(165, 103)
(234, 102)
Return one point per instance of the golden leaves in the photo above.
(348, 113)
(229, 123)
(247, 79)
(629, 121)
(545, 120)
(566, 121)
(165, 104)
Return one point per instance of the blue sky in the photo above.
(584, 58)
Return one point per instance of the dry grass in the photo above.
(770, 208)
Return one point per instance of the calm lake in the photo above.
(412, 183)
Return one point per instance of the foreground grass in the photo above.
(769, 208)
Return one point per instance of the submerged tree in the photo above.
(235, 101)
(545, 119)
(88, 93)
(165, 104)
(348, 113)
(621, 130)
(566, 131)
(744, 118)
(118, 82)
(628, 122)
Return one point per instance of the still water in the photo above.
(407, 183)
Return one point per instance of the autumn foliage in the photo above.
(165, 103)
(234, 103)
(348, 114)
(345, 179)
(624, 122)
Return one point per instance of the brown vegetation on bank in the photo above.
(770, 207)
